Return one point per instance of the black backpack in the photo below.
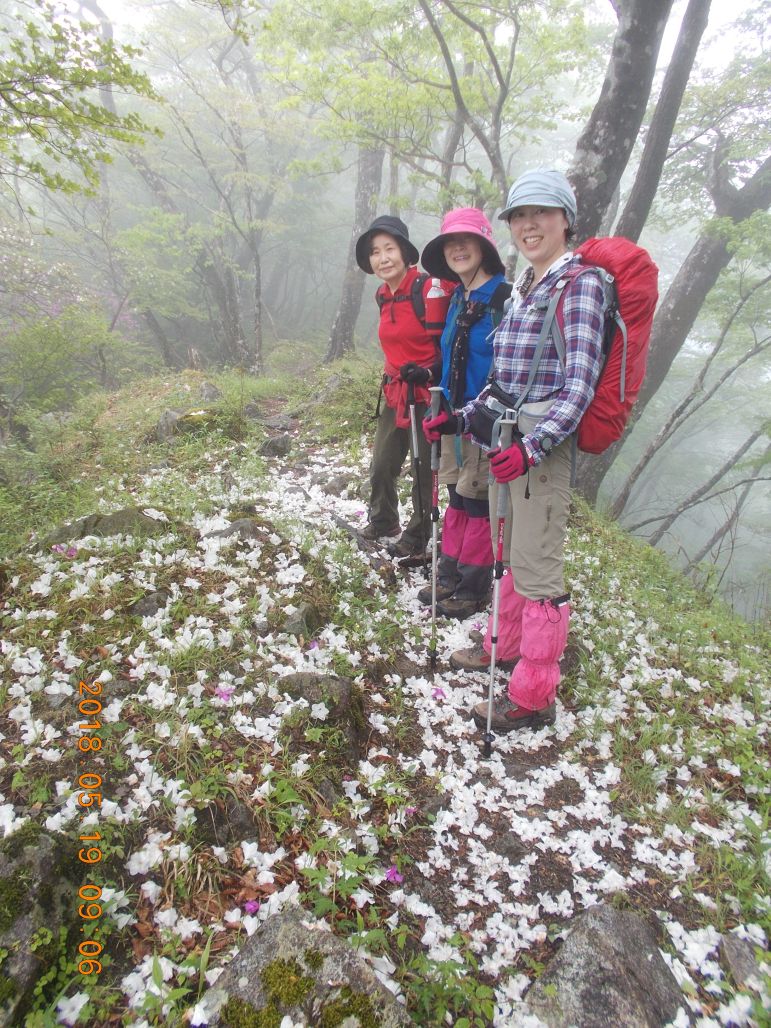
(415, 297)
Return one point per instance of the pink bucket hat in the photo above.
(464, 219)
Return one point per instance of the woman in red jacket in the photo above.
(413, 308)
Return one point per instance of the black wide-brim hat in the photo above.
(391, 226)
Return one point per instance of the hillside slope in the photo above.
(225, 796)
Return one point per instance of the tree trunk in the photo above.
(368, 177)
(605, 145)
(452, 138)
(654, 154)
(221, 285)
(681, 305)
(490, 141)
(256, 365)
(696, 397)
(393, 184)
(161, 338)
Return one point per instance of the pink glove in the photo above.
(442, 424)
(506, 465)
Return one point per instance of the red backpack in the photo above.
(630, 281)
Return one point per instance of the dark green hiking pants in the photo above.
(392, 445)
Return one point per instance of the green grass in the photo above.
(693, 656)
(644, 633)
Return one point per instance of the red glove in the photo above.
(442, 424)
(506, 465)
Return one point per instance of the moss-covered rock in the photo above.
(39, 874)
(285, 983)
(14, 845)
(294, 967)
(129, 521)
(345, 703)
(349, 1005)
(238, 1014)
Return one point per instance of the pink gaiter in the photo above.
(534, 681)
(509, 621)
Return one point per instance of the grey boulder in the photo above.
(294, 967)
(609, 971)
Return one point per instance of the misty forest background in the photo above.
(183, 182)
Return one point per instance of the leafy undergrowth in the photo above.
(223, 799)
(62, 469)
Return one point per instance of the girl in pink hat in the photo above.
(464, 252)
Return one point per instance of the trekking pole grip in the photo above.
(503, 490)
(436, 401)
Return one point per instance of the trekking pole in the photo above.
(416, 471)
(501, 509)
(436, 397)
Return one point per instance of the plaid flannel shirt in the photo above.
(514, 347)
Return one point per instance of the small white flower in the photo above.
(69, 1007)
(156, 515)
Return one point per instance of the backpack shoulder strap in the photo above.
(557, 320)
(499, 302)
(543, 335)
(611, 314)
(417, 298)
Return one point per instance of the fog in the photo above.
(226, 188)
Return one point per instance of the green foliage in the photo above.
(441, 988)
(50, 76)
(345, 396)
(45, 363)
(725, 116)
(338, 873)
(30, 285)
(158, 256)
(382, 73)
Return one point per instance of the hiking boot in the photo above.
(507, 716)
(443, 592)
(461, 607)
(406, 548)
(476, 658)
(370, 534)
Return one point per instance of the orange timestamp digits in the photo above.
(90, 798)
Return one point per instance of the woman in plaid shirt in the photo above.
(536, 468)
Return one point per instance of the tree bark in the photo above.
(654, 153)
(679, 308)
(256, 357)
(605, 145)
(393, 184)
(368, 177)
(699, 273)
(490, 141)
(452, 138)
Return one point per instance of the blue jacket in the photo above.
(480, 340)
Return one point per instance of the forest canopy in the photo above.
(182, 185)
